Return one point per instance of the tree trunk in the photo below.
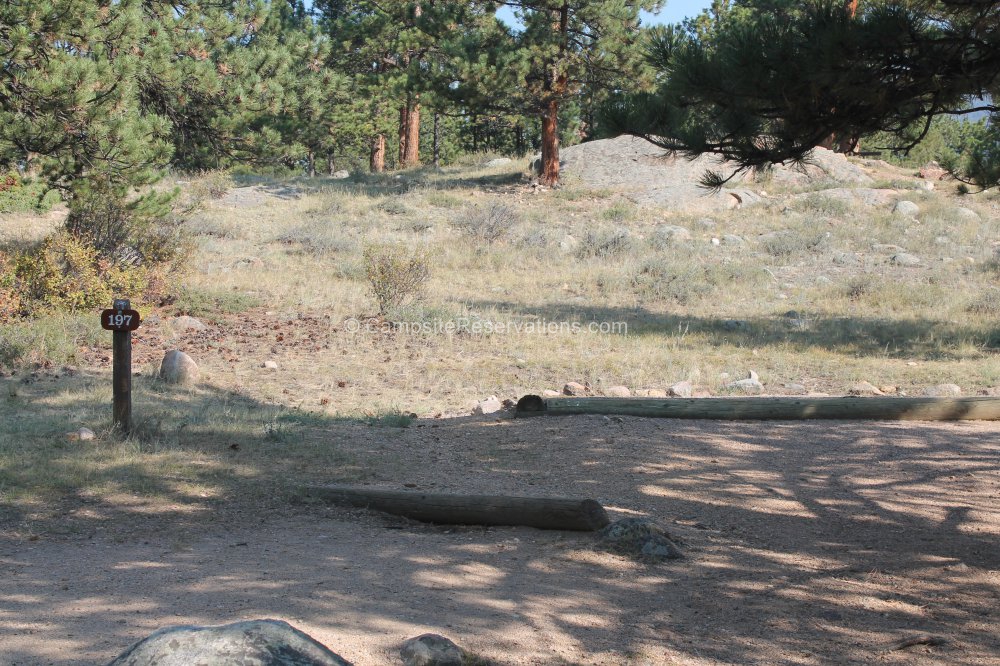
(311, 161)
(437, 141)
(404, 112)
(376, 164)
(331, 164)
(411, 156)
(550, 144)
(556, 88)
(844, 144)
(519, 140)
(547, 513)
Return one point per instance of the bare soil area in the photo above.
(805, 543)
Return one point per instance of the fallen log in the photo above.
(772, 408)
(547, 513)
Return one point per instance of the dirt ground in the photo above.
(806, 543)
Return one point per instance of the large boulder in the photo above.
(649, 176)
(249, 643)
(178, 368)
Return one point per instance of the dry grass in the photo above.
(278, 274)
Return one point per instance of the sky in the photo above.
(676, 10)
(673, 12)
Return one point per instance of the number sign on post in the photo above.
(121, 319)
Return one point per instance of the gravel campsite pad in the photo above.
(804, 543)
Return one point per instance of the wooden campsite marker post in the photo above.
(121, 319)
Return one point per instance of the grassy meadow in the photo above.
(807, 291)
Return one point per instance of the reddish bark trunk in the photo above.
(376, 164)
(411, 156)
(556, 87)
(550, 145)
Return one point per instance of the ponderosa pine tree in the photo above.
(765, 88)
(320, 115)
(565, 45)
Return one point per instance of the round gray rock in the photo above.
(905, 259)
(250, 643)
(668, 234)
(967, 215)
(640, 539)
(907, 208)
(178, 368)
(431, 650)
(186, 323)
(943, 391)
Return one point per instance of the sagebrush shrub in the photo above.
(490, 224)
(602, 244)
(397, 275)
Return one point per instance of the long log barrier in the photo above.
(547, 513)
(773, 408)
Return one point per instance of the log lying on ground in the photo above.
(547, 513)
(776, 408)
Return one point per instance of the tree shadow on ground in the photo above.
(386, 184)
(804, 541)
(926, 339)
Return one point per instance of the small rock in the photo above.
(640, 539)
(178, 368)
(863, 388)
(574, 388)
(499, 161)
(905, 259)
(716, 241)
(680, 390)
(618, 392)
(943, 391)
(549, 393)
(932, 171)
(732, 239)
(653, 393)
(270, 365)
(706, 223)
(81, 435)
(260, 642)
(671, 233)
(967, 215)
(490, 405)
(886, 247)
(187, 323)
(340, 174)
(795, 389)
(750, 386)
(431, 650)
(907, 208)
(846, 258)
